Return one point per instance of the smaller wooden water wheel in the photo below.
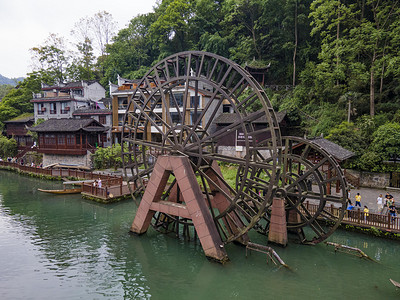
(310, 181)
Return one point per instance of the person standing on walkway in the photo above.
(379, 202)
(366, 211)
(392, 211)
(388, 199)
(358, 200)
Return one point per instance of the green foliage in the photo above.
(109, 157)
(387, 140)
(5, 89)
(8, 147)
(34, 135)
(348, 136)
(17, 100)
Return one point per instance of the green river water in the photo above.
(64, 247)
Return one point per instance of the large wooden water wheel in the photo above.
(172, 113)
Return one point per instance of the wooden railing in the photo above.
(105, 178)
(358, 217)
(107, 191)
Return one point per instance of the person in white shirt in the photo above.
(379, 202)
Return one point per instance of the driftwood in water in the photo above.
(267, 250)
(349, 250)
(395, 283)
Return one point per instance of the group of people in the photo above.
(97, 183)
(385, 205)
(22, 162)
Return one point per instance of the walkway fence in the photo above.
(106, 191)
(357, 217)
(107, 180)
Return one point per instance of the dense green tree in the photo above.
(4, 89)
(170, 31)
(8, 147)
(131, 50)
(17, 100)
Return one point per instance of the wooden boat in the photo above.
(64, 191)
(395, 283)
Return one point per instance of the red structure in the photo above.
(70, 136)
(193, 205)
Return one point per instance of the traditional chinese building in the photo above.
(17, 128)
(103, 116)
(233, 143)
(69, 141)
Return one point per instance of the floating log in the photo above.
(267, 250)
(350, 250)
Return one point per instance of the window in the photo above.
(120, 120)
(70, 139)
(78, 92)
(78, 139)
(226, 108)
(123, 103)
(179, 100)
(41, 108)
(64, 108)
(102, 119)
(194, 119)
(49, 139)
(175, 118)
(53, 108)
(61, 139)
(194, 101)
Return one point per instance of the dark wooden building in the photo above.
(70, 136)
(235, 137)
(339, 153)
(17, 129)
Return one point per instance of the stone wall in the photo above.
(374, 180)
(75, 160)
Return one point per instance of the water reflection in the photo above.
(66, 247)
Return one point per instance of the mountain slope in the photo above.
(5, 80)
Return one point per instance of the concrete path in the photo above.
(369, 195)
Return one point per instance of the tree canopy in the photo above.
(340, 58)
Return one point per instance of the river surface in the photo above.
(64, 247)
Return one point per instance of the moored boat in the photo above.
(64, 191)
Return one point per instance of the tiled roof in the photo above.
(21, 120)
(66, 125)
(92, 112)
(335, 150)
